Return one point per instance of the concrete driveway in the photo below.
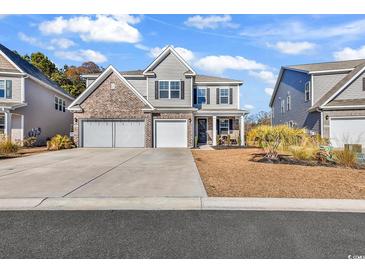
(102, 173)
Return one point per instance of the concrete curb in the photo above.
(184, 203)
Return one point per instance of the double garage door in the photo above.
(113, 134)
(101, 133)
(347, 131)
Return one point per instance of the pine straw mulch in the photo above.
(235, 173)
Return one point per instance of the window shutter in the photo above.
(182, 86)
(156, 90)
(195, 96)
(231, 96)
(230, 124)
(363, 84)
(217, 97)
(208, 95)
(218, 129)
(9, 89)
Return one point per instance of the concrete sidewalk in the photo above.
(181, 203)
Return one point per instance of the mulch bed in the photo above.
(24, 152)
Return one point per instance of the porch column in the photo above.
(214, 130)
(242, 130)
(7, 130)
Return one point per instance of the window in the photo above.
(201, 96)
(59, 104)
(2, 123)
(2, 89)
(175, 89)
(282, 106)
(169, 89)
(223, 96)
(288, 103)
(272, 112)
(164, 89)
(224, 126)
(307, 91)
(112, 86)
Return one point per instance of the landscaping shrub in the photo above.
(346, 158)
(59, 142)
(29, 141)
(303, 153)
(275, 138)
(7, 146)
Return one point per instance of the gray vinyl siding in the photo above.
(354, 90)
(213, 97)
(322, 83)
(40, 112)
(293, 83)
(139, 83)
(170, 69)
(16, 88)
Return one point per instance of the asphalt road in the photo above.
(180, 234)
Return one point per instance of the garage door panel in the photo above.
(171, 134)
(97, 134)
(129, 134)
(347, 131)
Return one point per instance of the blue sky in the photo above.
(247, 47)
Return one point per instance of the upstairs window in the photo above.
(307, 91)
(175, 89)
(6, 89)
(59, 104)
(288, 103)
(282, 106)
(201, 96)
(223, 96)
(164, 89)
(170, 89)
(2, 89)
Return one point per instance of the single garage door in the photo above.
(347, 131)
(171, 133)
(113, 134)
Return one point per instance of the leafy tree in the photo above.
(257, 119)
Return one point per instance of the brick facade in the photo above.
(120, 103)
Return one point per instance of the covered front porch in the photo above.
(219, 128)
(11, 124)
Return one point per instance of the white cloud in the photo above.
(269, 91)
(218, 64)
(248, 106)
(105, 28)
(34, 41)
(265, 75)
(82, 55)
(293, 48)
(210, 22)
(188, 55)
(350, 53)
(62, 43)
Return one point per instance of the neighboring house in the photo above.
(325, 98)
(30, 103)
(165, 105)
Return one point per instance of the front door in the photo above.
(202, 131)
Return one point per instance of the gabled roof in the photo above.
(83, 96)
(327, 66)
(162, 55)
(341, 85)
(213, 79)
(32, 71)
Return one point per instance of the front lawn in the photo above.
(232, 173)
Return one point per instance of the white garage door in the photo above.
(347, 131)
(113, 134)
(171, 133)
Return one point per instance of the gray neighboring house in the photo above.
(30, 103)
(326, 98)
(165, 105)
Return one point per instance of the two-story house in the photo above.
(326, 98)
(165, 105)
(30, 103)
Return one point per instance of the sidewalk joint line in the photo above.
(41, 202)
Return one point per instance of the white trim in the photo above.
(334, 107)
(330, 71)
(214, 130)
(344, 86)
(147, 87)
(10, 61)
(97, 82)
(159, 119)
(219, 94)
(162, 55)
(238, 97)
(312, 87)
(212, 83)
(242, 130)
(192, 91)
(197, 128)
(12, 73)
(22, 89)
